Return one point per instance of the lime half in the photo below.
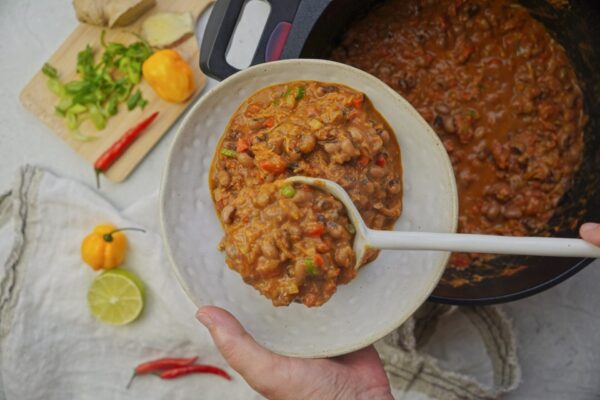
(116, 297)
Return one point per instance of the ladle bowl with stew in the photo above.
(385, 292)
(366, 238)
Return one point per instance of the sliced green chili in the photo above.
(229, 153)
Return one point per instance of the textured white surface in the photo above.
(395, 284)
(558, 330)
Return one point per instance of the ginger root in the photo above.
(111, 13)
(167, 29)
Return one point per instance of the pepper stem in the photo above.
(131, 379)
(98, 172)
(109, 238)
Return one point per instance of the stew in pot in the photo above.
(499, 91)
(294, 243)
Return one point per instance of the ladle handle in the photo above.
(532, 246)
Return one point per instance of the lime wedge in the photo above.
(116, 297)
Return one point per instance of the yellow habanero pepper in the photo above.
(169, 75)
(105, 247)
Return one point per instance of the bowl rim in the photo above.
(453, 208)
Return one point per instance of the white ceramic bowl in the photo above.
(385, 293)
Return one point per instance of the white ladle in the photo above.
(394, 240)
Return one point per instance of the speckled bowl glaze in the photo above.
(385, 293)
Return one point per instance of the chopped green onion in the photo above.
(133, 100)
(72, 122)
(83, 138)
(311, 267)
(351, 229)
(229, 153)
(76, 87)
(300, 93)
(96, 89)
(98, 119)
(77, 109)
(288, 191)
(112, 106)
(56, 87)
(50, 71)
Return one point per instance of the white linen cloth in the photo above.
(51, 347)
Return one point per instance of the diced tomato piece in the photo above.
(315, 229)
(363, 160)
(276, 166)
(357, 101)
(242, 145)
(380, 160)
(319, 260)
(460, 260)
(269, 122)
(253, 108)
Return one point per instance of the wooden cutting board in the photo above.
(38, 99)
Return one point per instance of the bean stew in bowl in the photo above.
(295, 244)
(225, 187)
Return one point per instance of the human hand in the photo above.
(590, 232)
(358, 375)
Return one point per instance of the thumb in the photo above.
(591, 233)
(241, 351)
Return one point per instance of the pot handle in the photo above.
(221, 25)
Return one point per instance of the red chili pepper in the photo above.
(380, 161)
(242, 145)
(163, 363)
(194, 369)
(118, 148)
(160, 365)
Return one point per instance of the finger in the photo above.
(257, 365)
(591, 233)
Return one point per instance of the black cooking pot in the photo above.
(312, 28)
